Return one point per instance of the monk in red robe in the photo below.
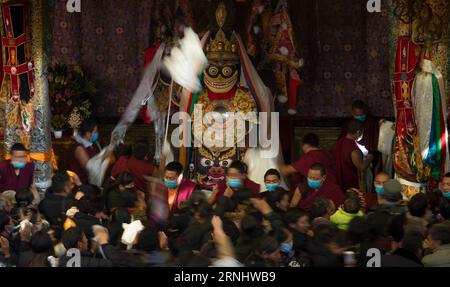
(317, 185)
(371, 130)
(137, 165)
(179, 188)
(237, 184)
(84, 148)
(312, 154)
(349, 158)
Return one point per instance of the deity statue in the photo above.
(231, 86)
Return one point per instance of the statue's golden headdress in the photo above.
(221, 48)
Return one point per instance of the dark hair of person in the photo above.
(352, 205)
(59, 182)
(204, 210)
(413, 242)
(148, 239)
(4, 220)
(319, 167)
(418, 205)
(251, 229)
(357, 231)
(325, 233)
(175, 166)
(24, 197)
(91, 191)
(272, 171)
(311, 139)
(71, 237)
(354, 126)
(360, 105)
(18, 147)
(92, 201)
(124, 179)
(190, 259)
(42, 247)
(276, 196)
(87, 126)
(440, 232)
(239, 165)
(267, 245)
(396, 227)
(294, 214)
(280, 234)
(447, 174)
(319, 207)
(140, 150)
(445, 210)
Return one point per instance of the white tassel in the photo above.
(282, 99)
(187, 61)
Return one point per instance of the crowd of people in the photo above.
(141, 216)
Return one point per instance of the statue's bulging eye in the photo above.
(225, 163)
(213, 71)
(227, 71)
(206, 162)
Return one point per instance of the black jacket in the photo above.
(54, 207)
(85, 222)
(401, 258)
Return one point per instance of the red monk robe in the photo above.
(182, 193)
(137, 168)
(248, 184)
(328, 190)
(323, 157)
(347, 173)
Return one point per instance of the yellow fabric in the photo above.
(69, 223)
(42, 157)
(171, 197)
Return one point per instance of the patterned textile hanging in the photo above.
(407, 158)
(18, 68)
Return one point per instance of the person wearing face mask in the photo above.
(272, 180)
(289, 256)
(445, 187)
(317, 185)
(350, 162)
(179, 188)
(85, 147)
(378, 182)
(312, 153)
(238, 185)
(16, 173)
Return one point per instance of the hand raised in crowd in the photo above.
(212, 196)
(228, 192)
(76, 179)
(101, 235)
(163, 242)
(79, 195)
(4, 246)
(261, 205)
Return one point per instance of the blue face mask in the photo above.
(314, 184)
(171, 184)
(94, 138)
(18, 165)
(446, 195)
(379, 190)
(272, 186)
(361, 118)
(234, 183)
(287, 247)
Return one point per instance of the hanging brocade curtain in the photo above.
(408, 163)
(18, 69)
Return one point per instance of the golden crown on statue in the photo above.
(220, 48)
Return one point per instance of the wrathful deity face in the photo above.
(221, 77)
(211, 170)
